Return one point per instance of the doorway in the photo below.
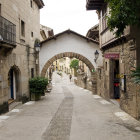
(14, 84)
(116, 79)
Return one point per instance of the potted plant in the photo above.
(24, 98)
(44, 83)
(37, 86)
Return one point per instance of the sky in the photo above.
(61, 15)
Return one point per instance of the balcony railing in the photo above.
(7, 31)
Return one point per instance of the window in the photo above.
(32, 34)
(104, 20)
(100, 72)
(106, 66)
(0, 9)
(22, 28)
(32, 72)
(31, 3)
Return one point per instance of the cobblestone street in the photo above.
(68, 113)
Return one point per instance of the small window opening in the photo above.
(32, 34)
(31, 3)
(32, 72)
(22, 28)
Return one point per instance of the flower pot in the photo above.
(35, 97)
(43, 94)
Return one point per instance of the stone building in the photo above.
(19, 30)
(120, 56)
(45, 32)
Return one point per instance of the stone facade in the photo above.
(19, 64)
(120, 56)
(127, 62)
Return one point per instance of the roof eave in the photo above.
(40, 3)
(94, 4)
(69, 31)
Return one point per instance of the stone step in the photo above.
(115, 102)
(14, 104)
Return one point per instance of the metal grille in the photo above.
(7, 31)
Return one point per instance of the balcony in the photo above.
(7, 34)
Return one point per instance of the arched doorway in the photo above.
(14, 83)
(67, 54)
(73, 55)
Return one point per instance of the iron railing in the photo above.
(7, 31)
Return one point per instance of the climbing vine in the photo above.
(123, 13)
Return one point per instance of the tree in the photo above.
(123, 13)
(74, 64)
(136, 75)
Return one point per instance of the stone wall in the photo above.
(129, 100)
(87, 83)
(23, 56)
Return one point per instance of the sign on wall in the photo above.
(111, 55)
(123, 82)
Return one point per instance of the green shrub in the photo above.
(136, 75)
(38, 85)
(59, 73)
(74, 64)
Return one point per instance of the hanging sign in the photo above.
(111, 55)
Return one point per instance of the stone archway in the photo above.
(71, 55)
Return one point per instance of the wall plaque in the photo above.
(112, 55)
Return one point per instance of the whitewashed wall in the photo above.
(69, 43)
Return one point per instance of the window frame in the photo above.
(32, 34)
(0, 9)
(32, 73)
(103, 18)
(22, 28)
(31, 3)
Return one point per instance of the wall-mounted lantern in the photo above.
(37, 45)
(96, 55)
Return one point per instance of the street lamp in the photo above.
(37, 47)
(37, 50)
(96, 55)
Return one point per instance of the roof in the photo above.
(40, 3)
(69, 32)
(94, 4)
(93, 33)
(93, 29)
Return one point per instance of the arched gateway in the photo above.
(70, 55)
(69, 44)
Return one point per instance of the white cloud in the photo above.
(68, 14)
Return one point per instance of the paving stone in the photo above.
(60, 126)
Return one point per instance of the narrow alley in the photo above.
(68, 112)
